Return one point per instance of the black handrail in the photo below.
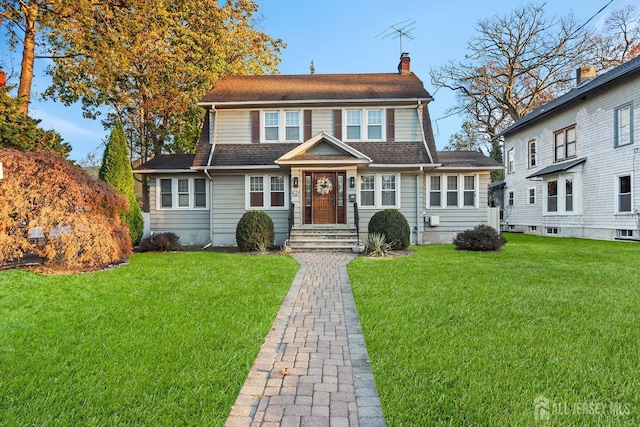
(291, 206)
(356, 219)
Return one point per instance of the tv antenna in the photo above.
(399, 30)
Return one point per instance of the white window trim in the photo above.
(174, 194)
(562, 195)
(282, 125)
(443, 191)
(266, 191)
(616, 193)
(364, 124)
(377, 193)
(533, 142)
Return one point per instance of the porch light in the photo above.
(295, 182)
(352, 182)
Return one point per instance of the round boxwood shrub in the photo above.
(254, 231)
(481, 238)
(393, 225)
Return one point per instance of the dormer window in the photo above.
(372, 130)
(281, 126)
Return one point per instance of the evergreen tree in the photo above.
(116, 170)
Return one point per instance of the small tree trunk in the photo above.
(28, 56)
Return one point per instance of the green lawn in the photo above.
(465, 338)
(166, 340)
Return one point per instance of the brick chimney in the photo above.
(3, 78)
(404, 67)
(585, 75)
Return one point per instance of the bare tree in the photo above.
(516, 63)
(619, 40)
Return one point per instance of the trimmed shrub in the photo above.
(161, 242)
(481, 238)
(254, 230)
(393, 225)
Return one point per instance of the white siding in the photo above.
(594, 120)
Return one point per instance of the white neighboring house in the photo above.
(573, 165)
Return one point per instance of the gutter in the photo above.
(315, 101)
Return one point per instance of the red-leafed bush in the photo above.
(52, 208)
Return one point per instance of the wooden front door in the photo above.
(324, 198)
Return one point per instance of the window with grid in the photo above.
(200, 193)
(469, 191)
(532, 196)
(292, 125)
(183, 193)
(374, 124)
(271, 124)
(166, 193)
(367, 190)
(388, 190)
(511, 198)
(565, 144)
(452, 190)
(354, 122)
(277, 190)
(435, 191)
(256, 191)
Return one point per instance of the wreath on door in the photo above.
(323, 186)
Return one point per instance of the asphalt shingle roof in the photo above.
(558, 167)
(466, 159)
(168, 162)
(316, 87)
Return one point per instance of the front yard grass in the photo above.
(166, 340)
(467, 338)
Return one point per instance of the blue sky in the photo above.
(340, 37)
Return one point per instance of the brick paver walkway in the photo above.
(313, 368)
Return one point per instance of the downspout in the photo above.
(212, 139)
(418, 211)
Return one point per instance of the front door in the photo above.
(324, 197)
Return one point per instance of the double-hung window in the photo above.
(623, 193)
(452, 191)
(379, 190)
(568, 195)
(367, 190)
(564, 143)
(374, 124)
(292, 125)
(182, 193)
(266, 191)
(469, 193)
(272, 125)
(623, 120)
(354, 124)
(388, 190)
(532, 196)
(435, 191)
(552, 196)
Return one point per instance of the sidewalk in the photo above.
(313, 368)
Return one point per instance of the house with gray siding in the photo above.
(571, 164)
(320, 153)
